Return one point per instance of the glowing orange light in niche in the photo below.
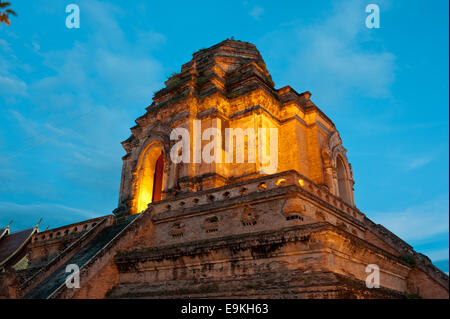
(150, 179)
(157, 179)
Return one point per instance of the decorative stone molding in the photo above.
(320, 215)
(177, 229)
(249, 216)
(294, 209)
(211, 224)
(123, 208)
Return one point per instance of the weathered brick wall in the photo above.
(421, 284)
(285, 263)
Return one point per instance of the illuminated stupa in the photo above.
(240, 226)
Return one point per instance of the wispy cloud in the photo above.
(94, 83)
(328, 57)
(72, 118)
(256, 12)
(11, 85)
(439, 255)
(419, 162)
(417, 222)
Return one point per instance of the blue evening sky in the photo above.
(69, 96)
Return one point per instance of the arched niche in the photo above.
(149, 177)
(343, 180)
(327, 170)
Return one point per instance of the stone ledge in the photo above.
(291, 284)
(264, 241)
(329, 200)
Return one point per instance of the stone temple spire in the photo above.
(230, 67)
(223, 227)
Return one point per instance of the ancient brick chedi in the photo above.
(228, 228)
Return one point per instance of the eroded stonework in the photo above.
(224, 229)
